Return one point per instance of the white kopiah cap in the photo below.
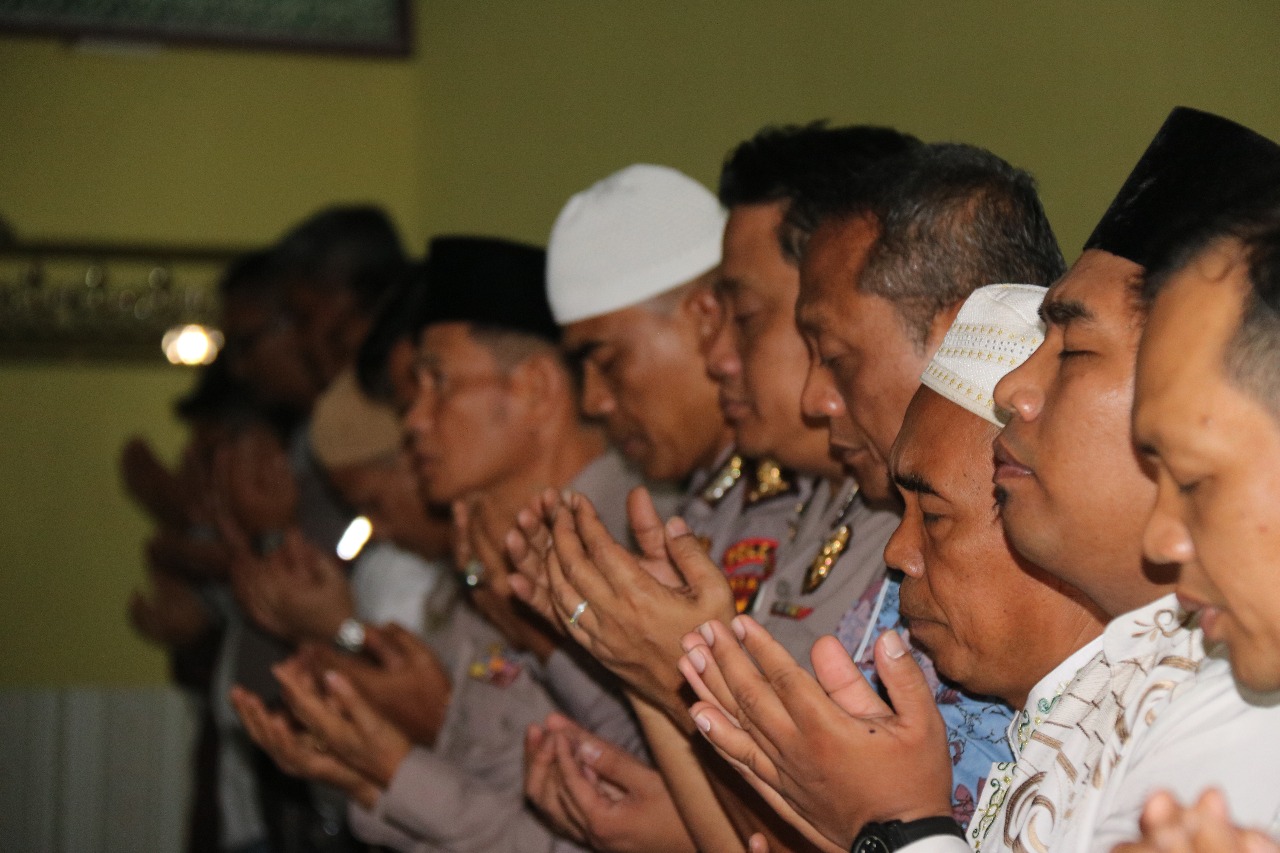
(637, 233)
(997, 329)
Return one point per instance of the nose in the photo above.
(597, 399)
(417, 417)
(1166, 539)
(819, 398)
(903, 551)
(1021, 391)
(723, 361)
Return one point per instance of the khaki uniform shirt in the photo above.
(466, 793)
(836, 554)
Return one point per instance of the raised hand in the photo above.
(1206, 827)
(598, 794)
(632, 621)
(530, 548)
(297, 592)
(398, 674)
(795, 738)
(170, 614)
(300, 753)
(491, 592)
(254, 482)
(151, 484)
(343, 722)
(183, 554)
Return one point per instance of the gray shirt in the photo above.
(801, 602)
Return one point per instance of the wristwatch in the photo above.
(895, 834)
(350, 636)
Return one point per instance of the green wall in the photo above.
(506, 109)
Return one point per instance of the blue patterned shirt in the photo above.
(976, 728)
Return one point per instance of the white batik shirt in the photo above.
(1150, 711)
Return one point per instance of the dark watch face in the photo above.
(872, 844)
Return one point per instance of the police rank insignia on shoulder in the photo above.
(822, 564)
(496, 669)
(722, 481)
(770, 482)
(831, 549)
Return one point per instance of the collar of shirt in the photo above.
(1045, 694)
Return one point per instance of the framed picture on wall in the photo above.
(356, 27)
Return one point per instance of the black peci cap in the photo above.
(1197, 165)
(488, 281)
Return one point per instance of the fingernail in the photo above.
(698, 661)
(567, 496)
(703, 722)
(588, 753)
(739, 630)
(330, 677)
(707, 634)
(676, 526)
(893, 645)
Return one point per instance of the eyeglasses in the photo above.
(440, 386)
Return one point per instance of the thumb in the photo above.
(385, 645)
(609, 761)
(912, 697)
(350, 702)
(645, 524)
(843, 681)
(461, 516)
(700, 572)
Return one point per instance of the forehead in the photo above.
(1181, 361)
(833, 261)
(451, 343)
(1103, 284)
(751, 237)
(754, 270)
(946, 445)
(613, 329)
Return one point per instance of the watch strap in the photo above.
(895, 834)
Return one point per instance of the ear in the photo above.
(542, 383)
(940, 325)
(704, 312)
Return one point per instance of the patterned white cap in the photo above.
(637, 233)
(997, 329)
(349, 428)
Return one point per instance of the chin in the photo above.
(873, 483)
(1256, 669)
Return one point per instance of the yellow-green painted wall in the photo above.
(507, 108)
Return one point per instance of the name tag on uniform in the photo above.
(787, 610)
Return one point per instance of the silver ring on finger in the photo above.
(577, 612)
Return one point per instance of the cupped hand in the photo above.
(794, 737)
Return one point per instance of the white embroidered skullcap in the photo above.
(637, 233)
(997, 329)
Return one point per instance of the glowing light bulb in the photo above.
(191, 344)
(354, 538)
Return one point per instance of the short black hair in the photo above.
(394, 322)
(251, 274)
(1253, 220)
(355, 248)
(783, 162)
(951, 218)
